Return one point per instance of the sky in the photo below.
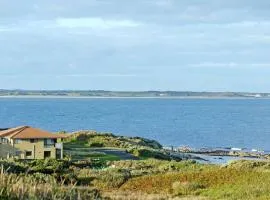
(185, 45)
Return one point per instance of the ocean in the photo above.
(241, 123)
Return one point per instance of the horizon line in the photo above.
(134, 91)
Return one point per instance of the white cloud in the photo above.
(259, 38)
(7, 29)
(98, 75)
(95, 23)
(163, 3)
(229, 65)
(259, 65)
(214, 64)
(69, 75)
(247, 24)
(78, 25)
(9, 75)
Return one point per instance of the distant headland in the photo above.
(128, 94)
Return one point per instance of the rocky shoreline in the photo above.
(213, 155)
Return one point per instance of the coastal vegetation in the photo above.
(92, 144)
(108, 167)
(141, 179)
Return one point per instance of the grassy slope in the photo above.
(130, 179)
(239, 180)
(85, 144)
(137, 180)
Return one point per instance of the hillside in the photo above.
(144, 179)
(107, 146)
(106, 166)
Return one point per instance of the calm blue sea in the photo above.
(194, 122)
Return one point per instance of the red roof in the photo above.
(26, 132)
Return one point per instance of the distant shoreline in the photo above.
(103, 94)
(123, 97)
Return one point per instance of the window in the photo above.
(58, 154)
(47, 154)
(3, 140)
(18, 153)
(28, 153)
(17, 141)
(33, 140)
(49, 143)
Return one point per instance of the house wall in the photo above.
(37, 149)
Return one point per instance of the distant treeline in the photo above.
(103, 93)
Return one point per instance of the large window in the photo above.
(28, 153)
(58, 154)
(18, 153)
(33, 140)
(3, 140)
(47, 154)
(49, 143)
(17, 141)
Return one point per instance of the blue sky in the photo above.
(198, 45)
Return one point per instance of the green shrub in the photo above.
(110, 140)
(111, 179)
(154, 166)
(151, 153)
(249, 165)
(13, 166)
(186, 188)
(96, 144)
(88, 164)
(48, 166)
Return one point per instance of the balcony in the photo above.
(59, 145)
(49, 145)
(4, 141)
(56, 145)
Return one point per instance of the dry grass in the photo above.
(22, 187)
(236, 182)
(143, 196)
(146, 179)
(162, 183)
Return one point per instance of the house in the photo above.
(30, 143)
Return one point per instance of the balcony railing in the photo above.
(49, 145)
(59, 145)
(4, 141)
(56, 145)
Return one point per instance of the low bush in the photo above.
(152, 153)
(163, 182)
(249, 165)
(111, 179)
(48, 166)
(95, 139)
(154, 166)
(12, 167)
(96, 144)
(186, 188)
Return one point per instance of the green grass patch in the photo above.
(86, 154)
